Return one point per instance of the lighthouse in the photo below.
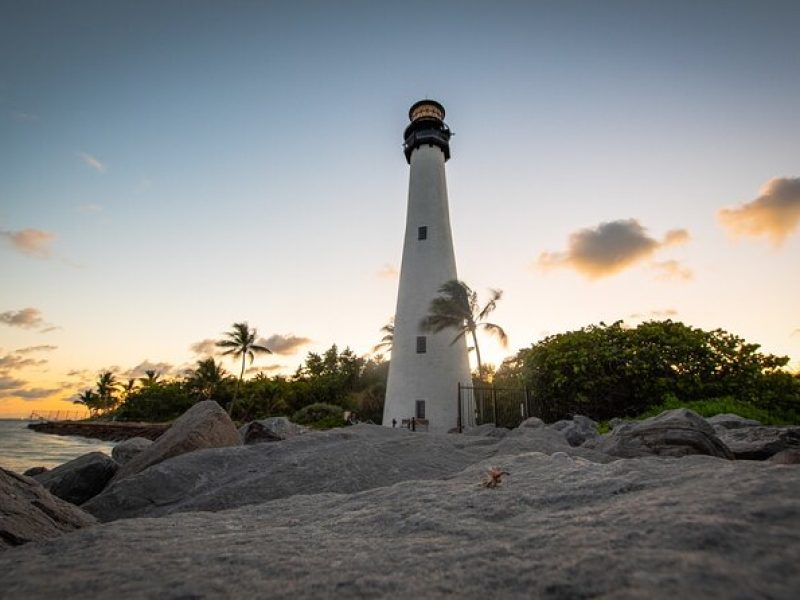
(425, 368)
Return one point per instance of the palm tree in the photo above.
(207, 377)
(241, 341)
(457, 308)
(107, 385)
(150, 379)
(89, 399)
(388, 339)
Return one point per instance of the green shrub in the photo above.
(314, 413)
(725, 405)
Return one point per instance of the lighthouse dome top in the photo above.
(426, 109)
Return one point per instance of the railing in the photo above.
(59, 415)
(506, 407)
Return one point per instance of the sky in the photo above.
(169, 168)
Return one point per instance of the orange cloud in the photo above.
(774, 214)
(388, 271)
(609, 248)
(284, 344)
(27, 318)
(33, 242)
(671, 270)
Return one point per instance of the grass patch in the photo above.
(717, 406)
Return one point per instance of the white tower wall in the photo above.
(432, 376)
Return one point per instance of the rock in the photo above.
(678, 432)
(532, 423)
(79, 479)
(274, 429)
(124, 451)
(204, 425)
(343, 460)
(613, 423)
(760, 442)
(577, 430)
(731, 421)
(557, 527)
(488, 429)
(790, 456)
(35, 471)
(29, 513)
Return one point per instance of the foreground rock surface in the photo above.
(204, 425)
(557, 527)
(29, 513)
(124, 451)
(79, 479)
(678, 432)
(760, 442)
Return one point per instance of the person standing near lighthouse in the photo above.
(425, 368)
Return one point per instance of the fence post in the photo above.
(458, 400)
(494, 405)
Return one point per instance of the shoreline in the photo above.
(106, 431)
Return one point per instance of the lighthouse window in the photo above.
(422, 232)
(422, 344)
(420, 409)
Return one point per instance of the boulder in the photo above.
(204, 425)
(124, 451)
(345, 460)
(35, 471)
(790, 456)
(79, 479)
(678, 432)
(731, 421)
(577, 430)
(760, 442)
(556, 527)
(274, 429)
(29, 513)
(487, 429)
(531, 423)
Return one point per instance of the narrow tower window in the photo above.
(420, 409)
(422, 232)
(422, 344)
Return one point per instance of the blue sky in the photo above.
(192, 164)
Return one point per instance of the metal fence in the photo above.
(506, 407)
(59, 415)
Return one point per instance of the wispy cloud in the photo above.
(31, 394)
(388, 271)
(284, 344)
(9, 383)
(13, 362)
(162, 368)
(31, 349)
(33, 242)
(774, 214)
(92, 162)
(664, 313)
(255, 369)
(205, 348)
(27, 318)
(671, 270)
(609, 248)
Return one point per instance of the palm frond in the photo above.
(498, 331)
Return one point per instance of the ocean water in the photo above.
(22, 448)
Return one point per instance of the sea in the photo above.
(22, 448)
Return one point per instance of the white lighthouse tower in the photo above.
(425, 368)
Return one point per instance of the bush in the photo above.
(315, 414)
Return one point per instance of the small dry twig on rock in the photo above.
(494, 477)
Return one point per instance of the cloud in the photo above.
(50, 328)
(255, 369)
(9, 383)
(27, 318)
(672, 270)
(13, 361)
(30, 349)
(659, 314)
(30, 394)
(33, 242)
(609, 248)
(284, 344)
(92, 162)
(162, 368)
(388, 271)
(775, 213)
(206, 347)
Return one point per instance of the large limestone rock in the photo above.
(760, 442)
(678, 432)
(274, 429)
(123, 452)
(557, 527)
(577, 430)
(730, 421)
(29, 513)
(79, 479)
(345, 460)
(204, 425)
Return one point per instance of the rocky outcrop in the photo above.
(124, 451)
(344, 460)
(274, 429)
(730, 421)
(101, 430)
(760, 442)
(79, 479)
(35, 471)
(204, 425)
(29, 513)
(577, 430)
(556, 527)
(786, 457)
(678, 432)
